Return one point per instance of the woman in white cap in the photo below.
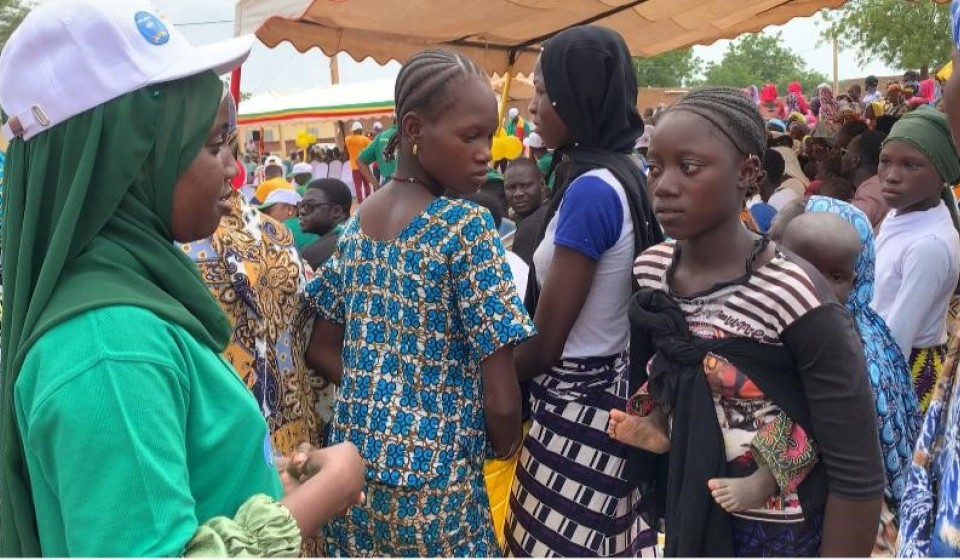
(302, 174)
(124, 431)
(281, 205)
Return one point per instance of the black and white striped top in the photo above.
(762, 307)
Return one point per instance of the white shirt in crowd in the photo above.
(918, 264)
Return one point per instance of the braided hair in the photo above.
(422, 85)
(732, 113)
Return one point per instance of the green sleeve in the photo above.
(526, 129)
(262, 528)
(369, 154)
(111, 441)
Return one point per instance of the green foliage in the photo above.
(756, 59)
(12, 13)
(674, 68)
(898, 33)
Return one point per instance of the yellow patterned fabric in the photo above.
(253, 269)
(926, 365)
(498, 475)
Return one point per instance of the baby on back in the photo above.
(828, 242)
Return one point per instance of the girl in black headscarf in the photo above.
(571, 497)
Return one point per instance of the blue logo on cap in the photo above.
(152, 29)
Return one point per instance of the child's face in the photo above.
(908, 179)
(837, 265)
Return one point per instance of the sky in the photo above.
(284, 68)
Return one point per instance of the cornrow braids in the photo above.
(732, 113)
(422, 83)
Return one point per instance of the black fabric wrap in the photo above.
(697, 526)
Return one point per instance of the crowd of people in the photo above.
(728, 323)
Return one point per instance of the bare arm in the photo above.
(564, 293)
(501, 401)
(829, 356)
(324, 353)
(849, 526)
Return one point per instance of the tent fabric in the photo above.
(493, 31)
(360, 100)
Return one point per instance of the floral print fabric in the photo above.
(253, 270)
(420, 312)
(930, 510)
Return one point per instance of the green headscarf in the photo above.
(89, 206)
(928, 130)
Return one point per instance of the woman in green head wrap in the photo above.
(918, 248)
(124, 433)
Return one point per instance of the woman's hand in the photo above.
(331, 482)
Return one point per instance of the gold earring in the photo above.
(415, 148)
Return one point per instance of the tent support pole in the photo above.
(505, 95)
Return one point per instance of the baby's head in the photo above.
(830, 244)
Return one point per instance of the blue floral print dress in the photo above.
(420, 312)
(930, 511)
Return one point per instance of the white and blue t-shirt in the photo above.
(594, 219)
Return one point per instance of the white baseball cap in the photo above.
(302, 168)
(513, 112)
(356, 126)
(273, 160)
(533, 141)
(69, 56)
(378, 125)
(281, 196)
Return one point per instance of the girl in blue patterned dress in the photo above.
(418, 317)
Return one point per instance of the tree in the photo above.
(756, 59)
(674, 68)
(898, 33)
(12, 13)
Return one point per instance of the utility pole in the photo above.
(334, 80)
(836, 67)
(334, 70)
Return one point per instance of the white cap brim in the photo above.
(220, 57)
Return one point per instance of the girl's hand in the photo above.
(331, 483)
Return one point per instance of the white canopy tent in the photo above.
(362, 100)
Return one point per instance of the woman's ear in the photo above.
(750, 172)
(412, 126)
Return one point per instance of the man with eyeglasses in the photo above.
(325, 207)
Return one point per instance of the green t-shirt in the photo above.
(374, 153)
(300, 238)
(134, 435)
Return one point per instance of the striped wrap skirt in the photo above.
(571, 496)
